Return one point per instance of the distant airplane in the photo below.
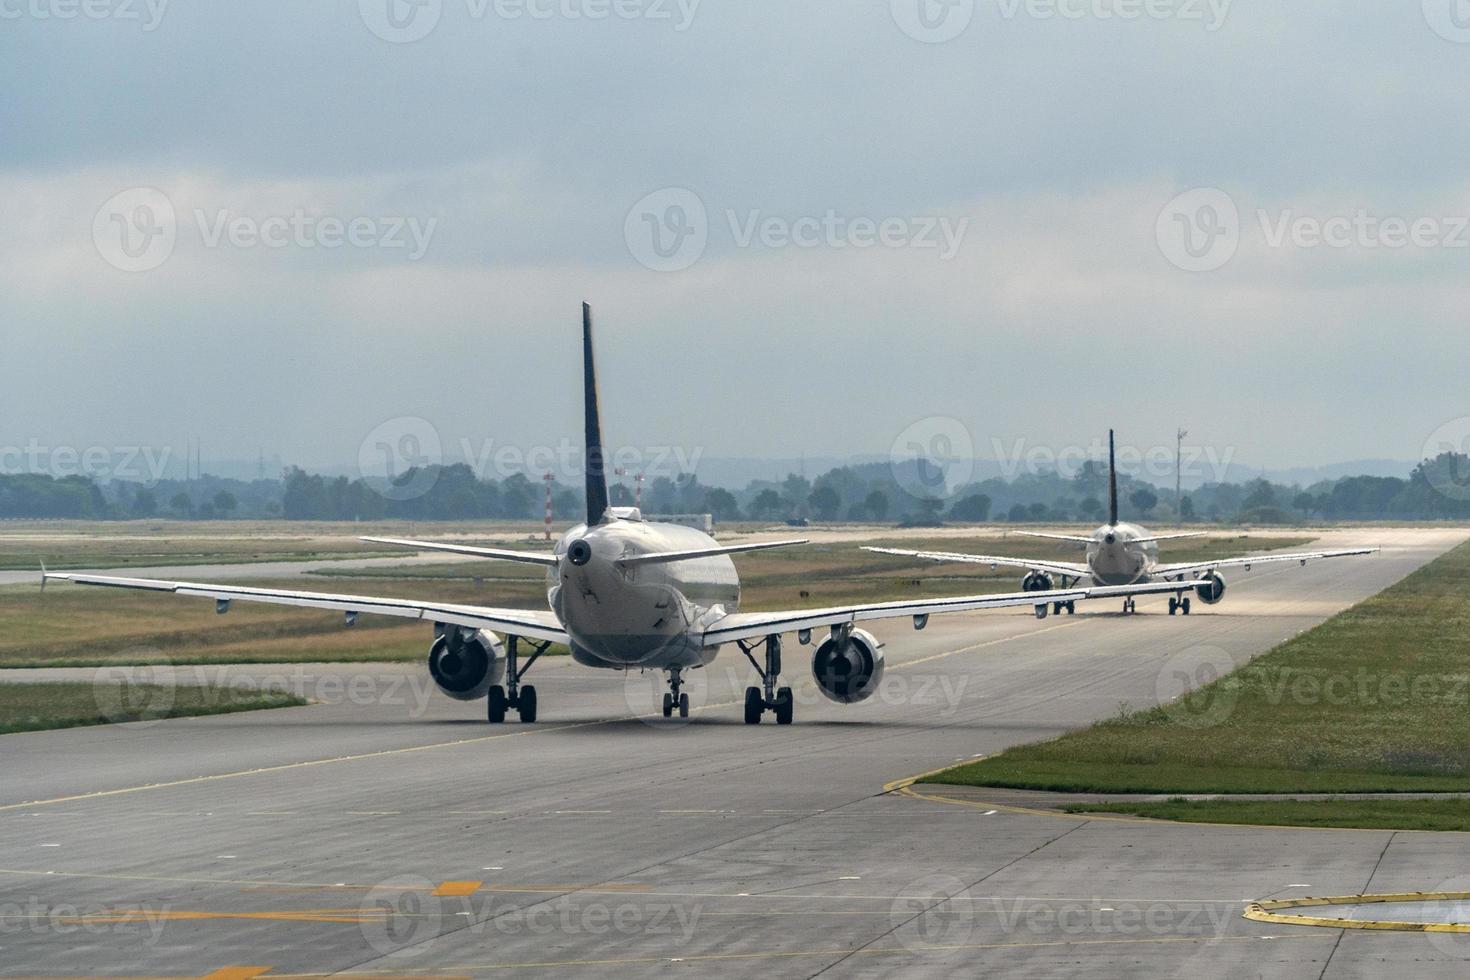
(1123, 555)
(628, 594)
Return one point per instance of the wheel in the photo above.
(1071, 607)
(1173, 605)
(1057, 607)
(1184, 605)
(495, 705)
(784, 705)
(668, 704)
(527, 704)
(753, 706)
(684, 705)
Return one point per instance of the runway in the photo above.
(390, 832)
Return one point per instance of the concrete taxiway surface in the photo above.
(388, 831)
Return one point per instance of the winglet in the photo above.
(43, 575)
(1112, 483)
(597, 500)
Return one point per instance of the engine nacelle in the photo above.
(848, 672)
(1036, 582)
(464, 663)
(1211, 588)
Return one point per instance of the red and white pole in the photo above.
(638, 491)
(548, 479)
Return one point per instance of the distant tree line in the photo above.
(1437, 489)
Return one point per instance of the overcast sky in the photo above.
(819, 227)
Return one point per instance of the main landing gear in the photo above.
(1179, 604)
(520, 697)
(1069, 607)
(767, 697)
(675, 698)
(1130, 606)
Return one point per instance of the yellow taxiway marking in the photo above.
(457, 889)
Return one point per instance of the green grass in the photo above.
(1441, 814)
(39, 707)
(1373, 700)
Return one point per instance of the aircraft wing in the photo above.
(1074, 538)
(499, 554)
(516, 622)
(1184, 568)
(744, 626)
(1070, 568)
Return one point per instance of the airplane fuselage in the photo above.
(1119, 554)
(639, 616)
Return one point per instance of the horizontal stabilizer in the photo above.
(1167, 537)
(499, 554)
(1077, 538)
(659, 557)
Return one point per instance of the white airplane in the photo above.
(1123, 555)
(626, 594)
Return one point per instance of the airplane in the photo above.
(1121, 554)
(625, 593)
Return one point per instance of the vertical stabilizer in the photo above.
(593, 459)
(1112, 483)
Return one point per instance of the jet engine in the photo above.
(465, 662)
(848, 672)
(1211, 588)
(1036, 582)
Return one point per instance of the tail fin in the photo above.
(593, 462)
(1112, 483)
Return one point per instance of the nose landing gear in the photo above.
(675, 698)
(514, 695)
